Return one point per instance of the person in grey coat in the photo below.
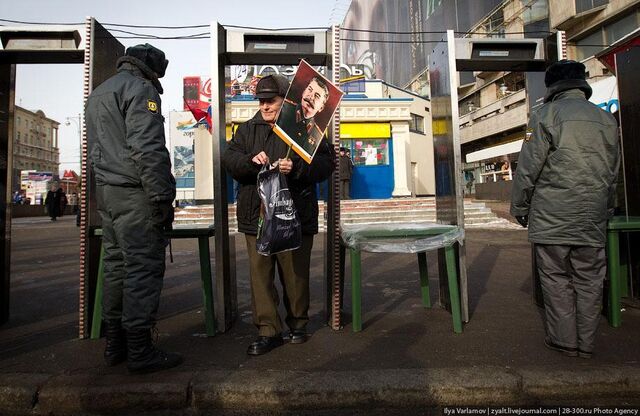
(135, 192)
(564, 190)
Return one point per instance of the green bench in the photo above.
(399, 238)
(202, 233)
(617, 225)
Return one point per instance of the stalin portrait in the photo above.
(297, 119)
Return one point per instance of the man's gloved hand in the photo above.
(165, 214)
(523, 220)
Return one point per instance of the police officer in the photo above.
(564, 189)
(135, 191)
(255, 144)
(297, 119)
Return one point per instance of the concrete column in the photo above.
(401, 159)
(203, 166)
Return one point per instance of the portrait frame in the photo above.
(304, 134)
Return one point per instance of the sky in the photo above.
(57, 89)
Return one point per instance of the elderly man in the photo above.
(297, 119)
(564, 189)
(254, 145)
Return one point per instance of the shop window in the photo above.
(368, 152)
(416, 124)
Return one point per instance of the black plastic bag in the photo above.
(279, 226)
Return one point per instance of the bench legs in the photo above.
(96, 321)
(452, 275)
(613, 260)
(454, 291)
(207, 291)
(424, 279)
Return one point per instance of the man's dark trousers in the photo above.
(293, 269)
(134, 256)
(571, 279)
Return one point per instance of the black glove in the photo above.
(523, 220)
(164, 214)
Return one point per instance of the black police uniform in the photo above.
(135, 192)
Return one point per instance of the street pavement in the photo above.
(407, 359)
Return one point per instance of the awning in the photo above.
(495, 151)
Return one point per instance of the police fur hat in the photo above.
(564, 69)
(271, 86)
(565, 75)
(151, 56)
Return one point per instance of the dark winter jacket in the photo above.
(568, 165)
(255, 136)
(125, 131)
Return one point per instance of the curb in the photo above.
(292, 391)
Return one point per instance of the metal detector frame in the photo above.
(93, 46)
(449, 56)
(224, 53)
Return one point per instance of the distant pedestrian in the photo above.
(346, 170)
(565, 190)
(53, 201)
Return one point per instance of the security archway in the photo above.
(249, 47)
(93, 46)
(470, 54)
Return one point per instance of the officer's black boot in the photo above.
(115, 350)
(143, 357)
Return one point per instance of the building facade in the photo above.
(494, 106)
(385, 128)
(35, 144)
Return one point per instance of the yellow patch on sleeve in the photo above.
(152, 106)
(528, 134)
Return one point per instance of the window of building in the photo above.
(536, 12)
(585, 5)
(617, 30)
(353, 87)
(416, 124)
(368, 152)
(18, 122)
(18, 137)
(589, 45)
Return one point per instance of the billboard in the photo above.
(182, 127)
(380, 51)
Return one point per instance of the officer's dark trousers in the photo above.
(293, 269)
(571, 278)
(134, 256)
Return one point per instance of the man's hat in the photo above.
(271, 86)
(564, 70)
(151, 56)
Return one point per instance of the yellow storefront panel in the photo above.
(365, 130)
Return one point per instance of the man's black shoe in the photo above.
(263, 345)
(569, 352)
(298, 336)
